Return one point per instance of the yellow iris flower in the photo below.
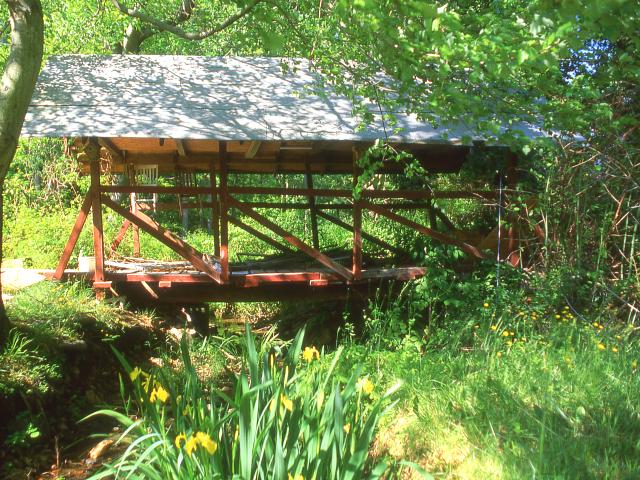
(159, 393)
(310, 353)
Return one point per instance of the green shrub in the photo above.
(273, 425)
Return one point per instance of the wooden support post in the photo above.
(73, 238)
(433, 221)
(308, 183)
(365, 236)
(93, 154)
(292, 239)
(119, 236)
(356, 267)
(224, 213)
(179, 246)
(215, 209)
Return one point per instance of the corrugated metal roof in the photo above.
(222, 98)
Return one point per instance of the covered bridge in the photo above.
(151, 117)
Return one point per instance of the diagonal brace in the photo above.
(160, 233)
(470, 249)
(292, 239)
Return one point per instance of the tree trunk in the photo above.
(16, 87)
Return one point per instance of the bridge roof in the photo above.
(215, 98)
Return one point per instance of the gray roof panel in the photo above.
(222, 98)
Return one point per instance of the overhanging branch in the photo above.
(172, 28)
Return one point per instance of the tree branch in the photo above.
(174, 29)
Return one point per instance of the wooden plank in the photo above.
(111, 148)
(365, 235)
(149, 290)
(119, 236)
(224, 213)
(164, 284)
(258, 234)
(308, 180)
(292, 239)
(73, 238)
(215, 209)
(136, 229)
(179, 246)
(253, 149)
(306, 192)
(104, 284)
(470, 249)
(93, 153)
(180, 147)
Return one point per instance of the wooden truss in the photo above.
(214, 270)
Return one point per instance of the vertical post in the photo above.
(357, 223)
(134, 209)
(215, 209)
(433, 222)
(308, 183)
(224, 213)
(93, 153)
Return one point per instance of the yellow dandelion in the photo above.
(179, 439)
(600, 327)
(512, 333)
(296, 477)
(634, 364)
(499, 354)
(494, 327)
(159, 393)
(614, 349)
(191, 445)
(618, 337)
(601, 346)
(509, 343)
(347, 428)
(558, 316)
(286, 403)
(505, 333)
(310, 353)
(205, 440)
(595, 324)
(485, 305)
(365, 386)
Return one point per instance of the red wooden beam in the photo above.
(365, 235)
(93, 153)
(470, 249)
(224, 212)
(215, 209)
(179, 246)
(292, 239)
(119, 236)
(306, 192)
(73, 238)
(308, 180)
(258, 234)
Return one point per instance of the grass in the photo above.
(549, 407)
(45, 317)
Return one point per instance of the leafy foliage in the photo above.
(281, 420)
